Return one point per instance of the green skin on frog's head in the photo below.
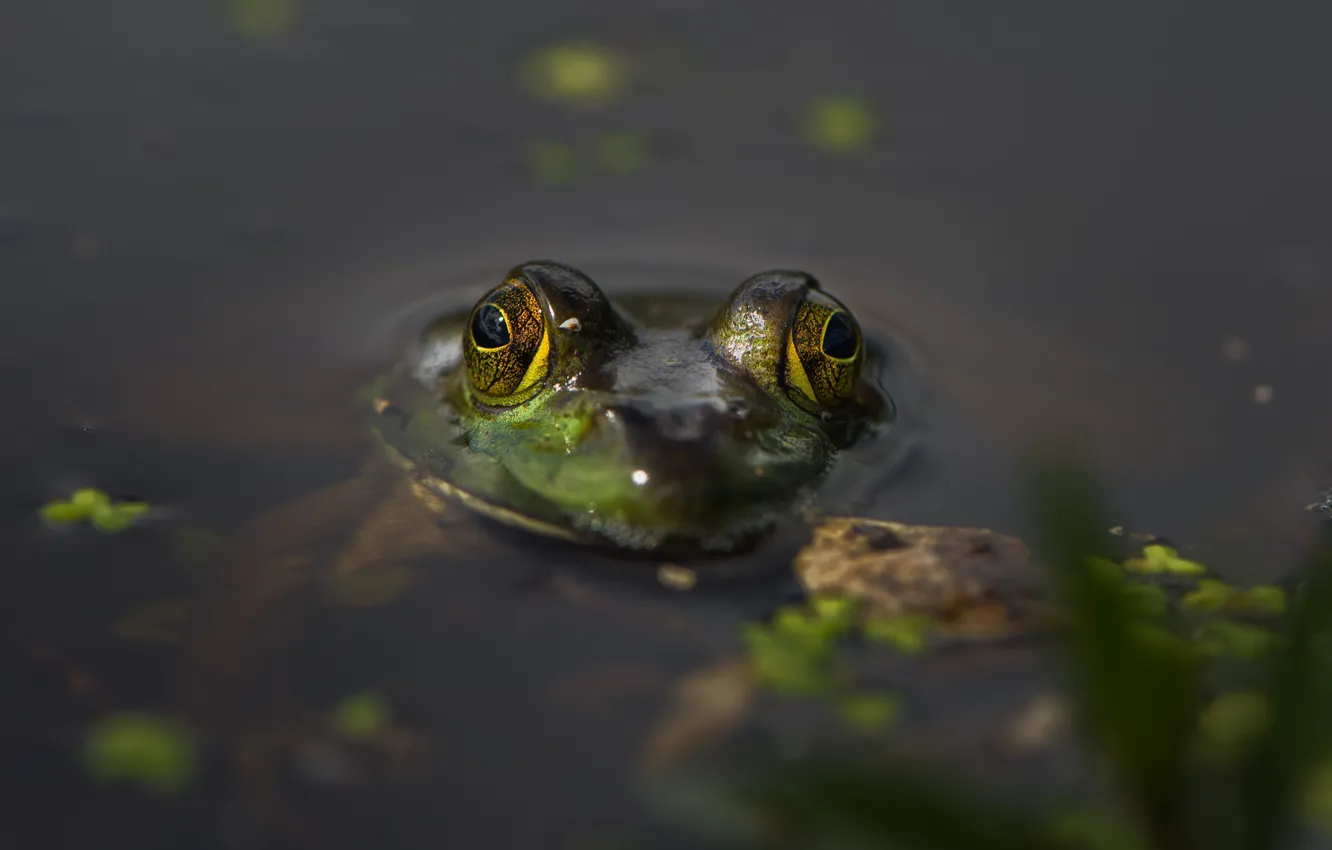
(560, 413)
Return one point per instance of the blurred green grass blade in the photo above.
(1299, 697)
(822, 803)
(1135, 685)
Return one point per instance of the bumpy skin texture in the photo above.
(573, 419)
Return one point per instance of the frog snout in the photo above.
(647, 428)
(687, 460)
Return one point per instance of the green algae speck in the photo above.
(361, 716)
(155, 753)
(95, 508)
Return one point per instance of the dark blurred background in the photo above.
(1110, 217)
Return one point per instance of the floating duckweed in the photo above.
(116, 518)
(1157, 639)
(788, 664)
(1147, 600)
(802, 624)
(1243, 641)
(621, 153)
(1210, 595)
(579, 72)
(868, 712)
(1264, 599)
(63, 513)
(796, 654)
(360, 716)
(89, 497)
(1230, 722)
(95, 507)
(1158, 558)
(908, 633)
(833, 608)
(153, 752)
(840, 124)
(262, 20)
(793, 638)
(77, 508)
(1105, 568)
(553, 163)
(1213, 595)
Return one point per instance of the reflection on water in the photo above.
(1064, 219)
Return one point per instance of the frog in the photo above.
(677, 428)
(656, 426)
(663, 426)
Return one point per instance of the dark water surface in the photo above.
(207, 241)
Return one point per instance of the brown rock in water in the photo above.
(971, 581)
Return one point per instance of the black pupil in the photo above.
(489, 327)
(839, 338)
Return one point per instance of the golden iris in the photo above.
(824, 353)
(507, 345)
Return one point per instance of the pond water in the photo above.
(1113, 220)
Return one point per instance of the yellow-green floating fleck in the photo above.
(808, 625)
(109, 519)
(553, 163)
(65, 512)
(1264, 599)
(1147, 600)
(1210, 595)
(908, 634)
(1157, 559)
(1244, 641)
(77, 508)
(1104, 568)
(868, 712)
(788, 664)
(621, 153)
(95, 507)
(262, 20)
(89, 497)
(1213, 595)
(155, 753)
(578, 72)
(132, 509)
(840, 124)
(835, 608)
(360, 716)
(1156, 639)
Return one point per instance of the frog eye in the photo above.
(507, 344)
(823, 352)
